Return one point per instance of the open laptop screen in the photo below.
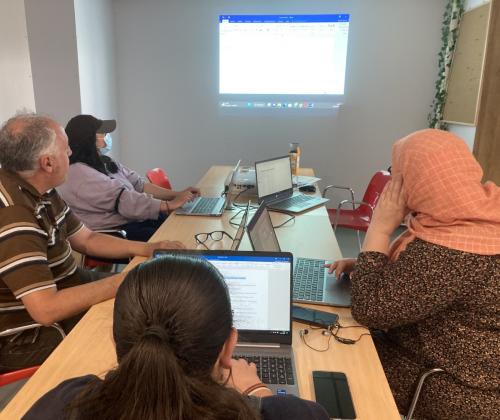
(230, 178)
(273, 177)
(261, 231)
(259, 285)
(241, 229)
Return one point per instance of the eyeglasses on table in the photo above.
(216, 235)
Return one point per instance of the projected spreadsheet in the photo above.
(283, 54)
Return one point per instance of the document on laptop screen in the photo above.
(273, 176)
(261, 232)
(249, 299)
(259, 288)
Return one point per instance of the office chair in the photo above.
(17, 375)
(159, 177)
(10, 377)
(358, 218)
(420, 384)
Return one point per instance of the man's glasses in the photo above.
(216, 235)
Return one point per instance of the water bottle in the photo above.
(294, 154)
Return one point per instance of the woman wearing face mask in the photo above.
(103, 193)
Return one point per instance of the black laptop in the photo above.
(259, 285)
(275, 187)
(311, 281)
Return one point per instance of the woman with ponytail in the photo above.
(172, 326)
(435, 290)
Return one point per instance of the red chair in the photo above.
(358, 218)
(159, 177)
(17, 375)
(90, 262)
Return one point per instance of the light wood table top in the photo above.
(89, 348)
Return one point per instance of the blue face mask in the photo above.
(109, 144)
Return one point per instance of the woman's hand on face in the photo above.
(391, 207)
(243, 375)
(345, 265)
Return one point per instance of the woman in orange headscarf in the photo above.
(434, 292)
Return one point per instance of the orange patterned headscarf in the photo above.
(449, 204)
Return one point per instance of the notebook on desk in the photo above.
(259, 285)
(275, 187)
(311, 281)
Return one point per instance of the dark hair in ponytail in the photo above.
(172, 316)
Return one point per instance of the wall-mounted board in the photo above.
(466, 70)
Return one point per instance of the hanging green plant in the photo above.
(449, 34)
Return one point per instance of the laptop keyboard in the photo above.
(309, 279)
(205, 205)
(272, 370)
(297, 200)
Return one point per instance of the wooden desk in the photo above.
(89, 347)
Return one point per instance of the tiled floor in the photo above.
(348, 240)
(7, 392)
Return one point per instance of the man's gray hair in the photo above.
(23, 139)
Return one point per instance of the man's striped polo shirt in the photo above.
(35, 253)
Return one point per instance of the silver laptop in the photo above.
(259, 285)
(203, 206)
(210, 206)
(311, 281)
(275, 187)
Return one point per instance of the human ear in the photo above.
(226, 353)
(46, 163)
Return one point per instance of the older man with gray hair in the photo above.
(39, 278)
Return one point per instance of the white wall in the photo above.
(16, 85)
(96, 60)
(167, 76)
(467, 132)
(54, 61)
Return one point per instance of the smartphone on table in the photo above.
(314, 317)
(332, 392)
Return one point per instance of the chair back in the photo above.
(17, 375)
(159, 177)
(375, 187)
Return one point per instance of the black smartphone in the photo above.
(314, 317)
(332, 392)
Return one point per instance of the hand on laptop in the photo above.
(345, 265)
(244, 376)
(181, 198)
(193, 190)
